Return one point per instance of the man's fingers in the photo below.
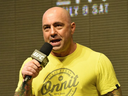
(31, 68)
(36, 63)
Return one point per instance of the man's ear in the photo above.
(73, 26)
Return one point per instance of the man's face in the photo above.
(57, 31)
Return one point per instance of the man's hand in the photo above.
(32, 68)
(116, 92)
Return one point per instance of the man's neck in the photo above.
(65, 53)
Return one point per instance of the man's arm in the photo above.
(24, 91)
(31, 68)
(116, 92)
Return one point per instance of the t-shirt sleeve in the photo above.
(106, 77)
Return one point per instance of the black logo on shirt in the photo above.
(60, 82)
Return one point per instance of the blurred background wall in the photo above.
(101, 25)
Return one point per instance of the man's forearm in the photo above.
(116, 92)
(24, 91)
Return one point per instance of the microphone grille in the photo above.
(46, 48)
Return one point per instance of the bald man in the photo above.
(72, 70)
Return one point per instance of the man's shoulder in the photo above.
(87, 49)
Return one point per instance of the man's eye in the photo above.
(59, 26)
(46, 28)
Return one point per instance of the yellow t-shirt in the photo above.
(82, 73)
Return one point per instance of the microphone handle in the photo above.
(27, 77)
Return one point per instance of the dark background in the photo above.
(21, 34)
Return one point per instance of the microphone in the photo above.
(41, 57)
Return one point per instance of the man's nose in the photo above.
(53, 32)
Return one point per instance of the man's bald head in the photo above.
(58, 11)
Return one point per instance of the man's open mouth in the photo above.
(56, 40)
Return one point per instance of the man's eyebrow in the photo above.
(58, 23)
(53, 24)
(45, 25)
